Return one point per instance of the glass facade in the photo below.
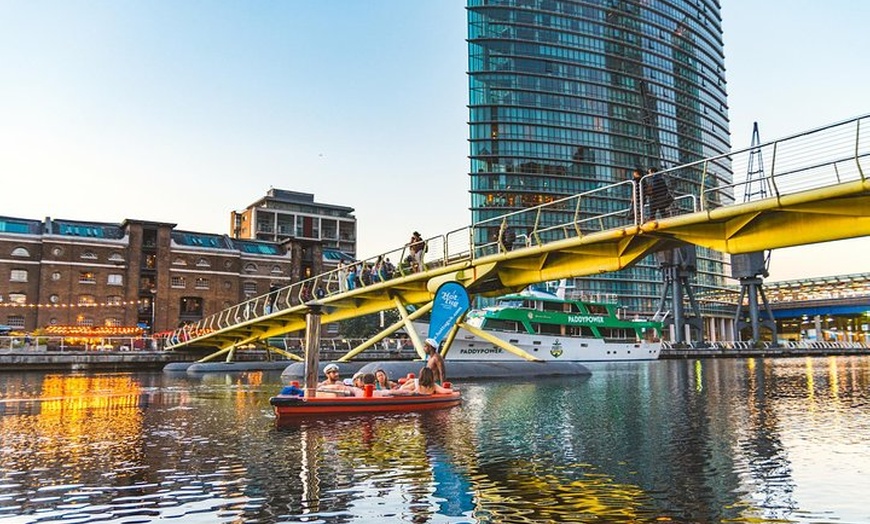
(566, 96)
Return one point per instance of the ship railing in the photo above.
(586, 296)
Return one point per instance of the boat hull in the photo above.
(293, 406)
(469, 347)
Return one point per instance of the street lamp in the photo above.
(153, 309)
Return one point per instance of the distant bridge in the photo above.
(815, 189)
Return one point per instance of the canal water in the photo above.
(739, 440)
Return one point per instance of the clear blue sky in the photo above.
(184, 111)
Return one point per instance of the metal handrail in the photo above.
(809, 160)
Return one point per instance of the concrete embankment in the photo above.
(747, 350)
(89, 360)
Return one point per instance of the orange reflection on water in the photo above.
(76, 422)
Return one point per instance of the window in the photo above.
(87, 300)
(58, 251)
(87, 277)
(89, 255)
(178, 282)
(55, 276)
(15, 321)
(115, 280)
(250, 268)
(113, 300)
(250, 288)
(276, 270)
(18, 275)
(116, 257)
(54, 299)
(179, 262)
(112, 322)
(201, 283)
(84, 321)
(202, 263)
(18, 298)
(191, 306)
(150, 261)
(20, 252)
(228, 285)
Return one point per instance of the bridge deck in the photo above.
(814, 190)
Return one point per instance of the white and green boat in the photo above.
(544, 326)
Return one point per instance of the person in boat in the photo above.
(333, 382)
(425, 384)
(382, 381)
(435, 361)
(369, 379)
(332, 376)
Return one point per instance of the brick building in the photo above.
(136, 273)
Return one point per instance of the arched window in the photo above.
(20, 252)
(179, 262)
(202, 263)
(250, 268)
(276, 270)
(89, 255)
(116, 257)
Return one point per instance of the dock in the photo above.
(762, 350)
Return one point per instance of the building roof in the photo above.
(21, 226)
(82, 229)
(304, 200)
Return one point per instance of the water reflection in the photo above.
(671, 441)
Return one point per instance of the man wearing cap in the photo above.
(435, 362)
(332, 378)
(357, 381)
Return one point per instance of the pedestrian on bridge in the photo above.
(658, 195)
(416, 246)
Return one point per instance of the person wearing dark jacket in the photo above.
(658, 195)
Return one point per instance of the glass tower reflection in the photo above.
(567, 96)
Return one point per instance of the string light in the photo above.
(124, 303)
(94, 331)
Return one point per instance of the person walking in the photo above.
(658, 194)
(417, 246)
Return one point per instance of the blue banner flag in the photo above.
(451, 302)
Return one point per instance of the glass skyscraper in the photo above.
(569, 95)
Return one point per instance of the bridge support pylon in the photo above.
(749, 269)
(678, 265)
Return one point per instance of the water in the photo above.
(670, 441)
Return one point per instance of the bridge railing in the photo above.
(818, 158)
(822, 157)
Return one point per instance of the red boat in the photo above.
(331, 404)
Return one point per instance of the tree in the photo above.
(366, 326)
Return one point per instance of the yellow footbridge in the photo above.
(814, 188)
